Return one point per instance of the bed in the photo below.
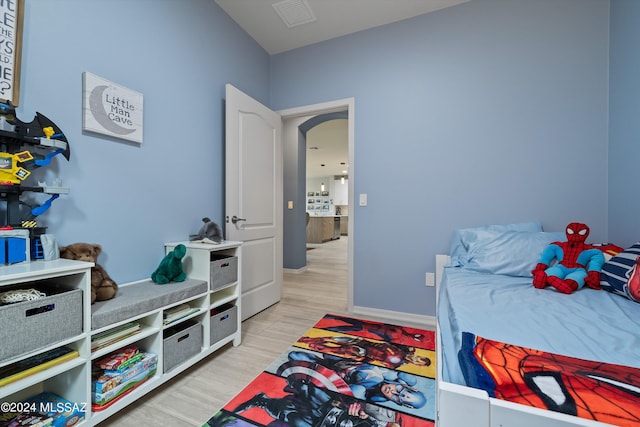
(486, 305)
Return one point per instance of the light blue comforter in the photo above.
(588, 324)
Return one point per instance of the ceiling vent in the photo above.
(294, 12)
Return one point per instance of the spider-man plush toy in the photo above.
(578, 262)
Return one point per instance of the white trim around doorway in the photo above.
(347, 104)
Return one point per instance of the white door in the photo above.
(254, 197)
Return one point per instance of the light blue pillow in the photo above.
(511, 253)
(462, 238)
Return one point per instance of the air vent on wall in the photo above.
(294, 12)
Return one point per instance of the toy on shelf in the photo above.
(210, 232)
(25, 147)
(102, 286)
(170, 268)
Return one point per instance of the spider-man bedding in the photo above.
(593, 390)
(507, 334)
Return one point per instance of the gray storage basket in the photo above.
(181, 343)
(30, 325)
(223, 324)
(224, 270)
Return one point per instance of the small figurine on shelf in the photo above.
(170, 268)
(210, 232)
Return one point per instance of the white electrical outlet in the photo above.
(430, 279)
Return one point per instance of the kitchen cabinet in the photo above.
(320, 229)
(341, 192)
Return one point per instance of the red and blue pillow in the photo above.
(621, 274)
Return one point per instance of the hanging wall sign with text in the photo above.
(111, 109)
(11, 18)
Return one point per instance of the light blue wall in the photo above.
(624, 119)
(492, 111)
(179, 54)
(294, 160)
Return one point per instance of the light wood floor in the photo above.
(193, 397)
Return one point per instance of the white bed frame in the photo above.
(462, 406)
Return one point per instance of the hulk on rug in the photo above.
(342, 372)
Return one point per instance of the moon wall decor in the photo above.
(111, 109)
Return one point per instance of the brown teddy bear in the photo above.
(102, 286)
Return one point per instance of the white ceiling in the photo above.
(328, 149)
(333, 18)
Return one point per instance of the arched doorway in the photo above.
(299, 121)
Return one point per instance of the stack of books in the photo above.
(34, 364)
(178, 312)
(106, 338)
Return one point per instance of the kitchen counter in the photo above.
(323, 228)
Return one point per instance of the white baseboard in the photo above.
(397, 317)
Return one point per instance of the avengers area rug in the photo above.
(343, 372)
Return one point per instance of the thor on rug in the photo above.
(342, 372)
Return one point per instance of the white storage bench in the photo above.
(139, 316)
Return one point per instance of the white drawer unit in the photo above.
(219, 265)
(65, 322)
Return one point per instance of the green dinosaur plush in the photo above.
(170, 268)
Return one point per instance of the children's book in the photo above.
(29, 419)
(34, 364)
(178, 312)
(64, 413)
(111, 336)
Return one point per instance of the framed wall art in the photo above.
(12, 19)
(111, 109)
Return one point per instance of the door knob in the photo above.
(235, 219)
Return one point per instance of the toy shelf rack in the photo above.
(23, 148)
